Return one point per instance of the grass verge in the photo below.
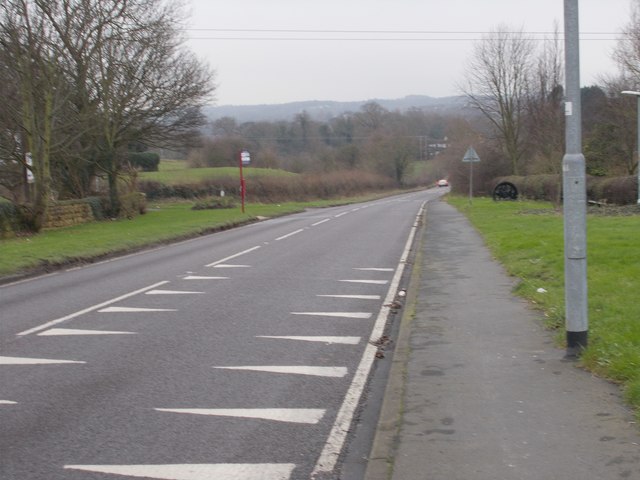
(528, 238)
(164, 222)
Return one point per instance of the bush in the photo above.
(10, 219)
(133, 204)
(615, 190)
(99, 206)
(273, 189)
(145, 161)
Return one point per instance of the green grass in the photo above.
(176, 172)
(528, 238)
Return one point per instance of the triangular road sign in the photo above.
(471, 156)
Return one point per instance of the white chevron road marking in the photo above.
(204, 277)
(171, 292)
(370, 282)
(336, 314)
(354, 297)
(341, 340)
(290, 415)
(337, 372)
(32, 361)
(70, 331)
(134, 310)
(196, 471)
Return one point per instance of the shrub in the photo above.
(10, 220)
(133, 204)
(97, 205)
(145, 161)
(616, 190)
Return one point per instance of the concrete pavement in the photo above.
(479, 391)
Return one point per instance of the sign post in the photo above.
(244, 158)
(471, 157)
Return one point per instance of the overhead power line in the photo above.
(329, 35)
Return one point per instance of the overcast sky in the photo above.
(278, 51)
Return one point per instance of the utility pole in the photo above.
(574, 192)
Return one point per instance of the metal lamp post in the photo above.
(637, 95)
(574, 192)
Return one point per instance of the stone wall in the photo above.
(66, 215)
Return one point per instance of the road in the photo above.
(238, 355)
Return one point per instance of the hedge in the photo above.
(613, 190)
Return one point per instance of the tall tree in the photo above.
(497, 85)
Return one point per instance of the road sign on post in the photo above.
(244, 158)
(470, 157)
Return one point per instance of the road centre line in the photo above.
(290, 234)
(248, 250)
(44, 326)
(320, 222)
(340, 215)
(335, 442)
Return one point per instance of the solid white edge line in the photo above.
(290, 234)
(335, 442)
(89, 309)
(230, 257)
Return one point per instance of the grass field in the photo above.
(528, 238)
(175, 172)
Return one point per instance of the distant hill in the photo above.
(325, 110)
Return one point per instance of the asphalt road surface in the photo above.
(239, 355)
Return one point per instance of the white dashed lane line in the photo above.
(290, 234)
(320, 222)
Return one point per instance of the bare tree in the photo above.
(497, 85)
(627, 56)
(99, 75)
(545, 115)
